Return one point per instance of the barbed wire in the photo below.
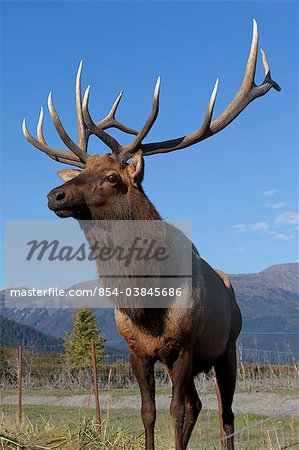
(246, 333)
(106, 342)
(240, 350)
(289, 445)
(253, 425)
(292, 333)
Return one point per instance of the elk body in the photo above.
(187, 340)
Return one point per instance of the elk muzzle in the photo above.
(62, 202)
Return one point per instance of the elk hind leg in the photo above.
(193, 407)
(225, 368)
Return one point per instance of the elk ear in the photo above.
(136, 168)
(68, 174)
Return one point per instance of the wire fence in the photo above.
(51, 370)
(46, 385)
(256, 356)
(213, 444)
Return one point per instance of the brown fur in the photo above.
(186, 339)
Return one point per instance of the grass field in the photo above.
(117, 392)
(63, 428)
(64, 419)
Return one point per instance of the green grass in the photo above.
(117, 392)
(49, 428)
(46, 393)
(292, 392)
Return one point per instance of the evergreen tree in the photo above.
(77, 343)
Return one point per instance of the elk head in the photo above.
(103, 190)
(107, 184)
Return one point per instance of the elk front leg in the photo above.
(193, 407)
(180, 374)
(143, 369)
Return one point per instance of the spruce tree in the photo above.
(77, 343)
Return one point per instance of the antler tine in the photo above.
(79, 156)
(82, 131)
(268, 78)
(186, 141)
(122, 153)
(110, 141)
(82, 155)
(150, 121)
(248, 92)
(128, 150)
(210, 109)
(41, 138)
(54, 153)
(248, 80)
(39, 129)
(86, 127)
(109, 121)
(115, 105)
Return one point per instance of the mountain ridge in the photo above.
(268, 301)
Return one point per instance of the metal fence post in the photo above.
(20, 361)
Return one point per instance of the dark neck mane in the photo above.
(136, 207)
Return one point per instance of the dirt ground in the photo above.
(260, 403)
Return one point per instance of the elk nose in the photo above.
(60, 196)
(56, 198)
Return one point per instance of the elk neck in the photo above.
(137, 207)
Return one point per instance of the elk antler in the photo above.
(78, 155)
(118, 150)
(248, 92)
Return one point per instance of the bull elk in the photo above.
(187, 340)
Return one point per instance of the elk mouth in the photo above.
(64, 213)
(61, 211)
(75, 211)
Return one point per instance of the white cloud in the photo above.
(246, 248)
(269, 192)
(287, 218)
(281, 236)
(277, 205)
(259, 226)
(240, 227)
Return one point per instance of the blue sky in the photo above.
(238, 188)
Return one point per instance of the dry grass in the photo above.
(64, 428)
(65, 435)
(72, 429)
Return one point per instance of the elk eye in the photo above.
(112, 178)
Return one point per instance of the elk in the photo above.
(109, 187)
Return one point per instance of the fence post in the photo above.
(95, 383)
(222, 432)
(20, 361)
